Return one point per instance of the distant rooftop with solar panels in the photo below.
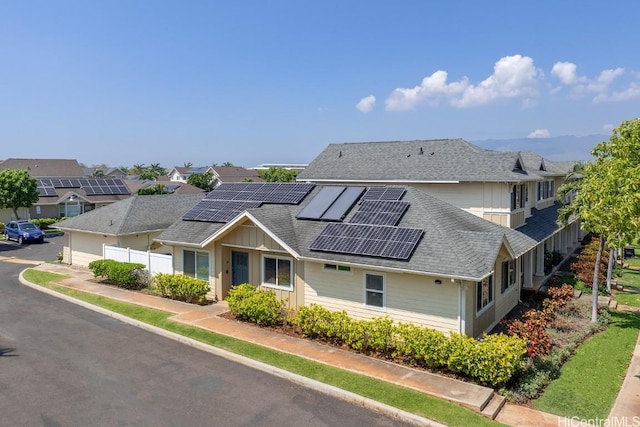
(49, 187)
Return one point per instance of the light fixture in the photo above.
(438, 282)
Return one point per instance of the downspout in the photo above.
(462, 308)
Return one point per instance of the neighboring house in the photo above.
(513, 189)
(171, 187)
(181, 174)
(370, 250)
(131, 223)
(223, 174)
(64, 190)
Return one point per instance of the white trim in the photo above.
(253, 248)
(384, 291)
(380, 181)
(270, 285)
(490, 303)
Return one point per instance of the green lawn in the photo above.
(630, 278)
(633, 262)
(381, 391)
(628, 298)
(589, 382)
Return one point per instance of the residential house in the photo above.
(63, 188)
(131, 223)
(289, 166)
(181, 174)
(370, 250)
(222, 174)
(513, 189)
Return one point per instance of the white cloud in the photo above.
(566, 73)
(430, 91)
(513, 77)
(608, 127)
(600, 86)
(539, 133)
(366, 104)
(631, 92)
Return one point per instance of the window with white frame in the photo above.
(508, 278)
(484, 293)
(277, 272)
(546, 189)
(374, 290)
(195, 264)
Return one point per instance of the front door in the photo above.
(239, 267)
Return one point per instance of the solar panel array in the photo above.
(332, 203)
(268, 192)
(91, 186)
(369, 240)
(219, 210)
(384, 193)
(228, 200)
(380, 212)
(46, 191)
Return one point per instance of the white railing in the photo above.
(155, 263)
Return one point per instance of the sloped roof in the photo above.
(455, 243)
(414, 161)
(533, 162)
(236, 174)
(45, 167)
(133, 215)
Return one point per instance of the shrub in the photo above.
(44, 223)
(2, 224)
(260, 306)
(532, 329)
(181, 288)
(122, 274)
(427, 347)
(317, 322)
(586, 262)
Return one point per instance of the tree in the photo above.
(201, 180)
(17, 190)
(148, 175)
(138, 168)
(228, 164)
(154, 189)
(607, 197)
(188, 164)
(156, 168)
(278, 175)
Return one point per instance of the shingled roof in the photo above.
(443, 160)
(455, 242)
(45, 167)
(133, 215)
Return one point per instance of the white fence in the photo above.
(155, 263)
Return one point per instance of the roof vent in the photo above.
(340, 154)
(421, 151)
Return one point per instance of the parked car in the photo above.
(23, 231)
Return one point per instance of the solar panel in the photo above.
(343, 204)
(381, 212)
(384, 193)
(218, 210)
(47, 191)
(269, 192)
(91, 186)
(380, 241)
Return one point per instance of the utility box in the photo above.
(629, 252)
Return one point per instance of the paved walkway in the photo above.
(477, 398)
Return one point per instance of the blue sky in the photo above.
(125, 82)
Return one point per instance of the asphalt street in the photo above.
(63, 365)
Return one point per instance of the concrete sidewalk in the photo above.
(480, 399)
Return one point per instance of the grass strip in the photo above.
(399, 397)
(589, 382)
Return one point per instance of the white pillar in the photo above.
(528, 269)
(540, 260)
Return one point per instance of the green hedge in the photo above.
(181, 288)
(126, 275)
(256, 305)
(45, 223)
(493, 360)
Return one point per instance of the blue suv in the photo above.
(23, 231)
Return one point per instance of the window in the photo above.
(508, 275)
(196, 264)
(335, 267)
(518, 196)
(277, 272)
(484, 292)
(374, 290)
(546, 189)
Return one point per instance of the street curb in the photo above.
(297, 379)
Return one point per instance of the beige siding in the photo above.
(139, 242)
(85, 247)
(409, 298)
(249, 236)
(500, 219)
